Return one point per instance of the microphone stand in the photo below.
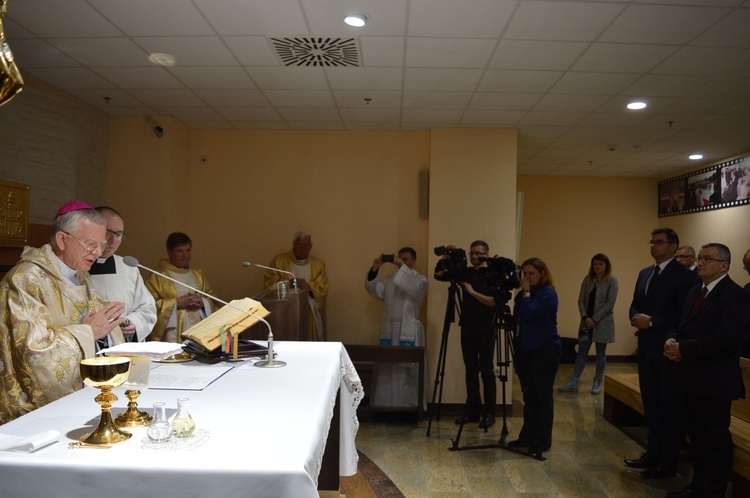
(248, 264)
(270, 362)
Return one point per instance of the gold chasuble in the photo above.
(318, 287)
(166, 292)
(42, 339)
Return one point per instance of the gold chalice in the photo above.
(140, 366)
(105, 372)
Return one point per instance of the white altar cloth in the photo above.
(268, 429)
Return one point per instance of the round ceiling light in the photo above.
(695, 157)
(356, 20)
(636, 106)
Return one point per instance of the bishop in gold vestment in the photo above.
(311, 275)
(50, 317)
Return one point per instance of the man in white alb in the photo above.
(115, 281)
(395, 384)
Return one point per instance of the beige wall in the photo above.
(57, 145)
(566, 220)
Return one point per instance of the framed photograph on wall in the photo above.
(716, 187)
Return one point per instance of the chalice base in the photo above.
(106, 432)
(133, 417)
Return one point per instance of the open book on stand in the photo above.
(233, 319)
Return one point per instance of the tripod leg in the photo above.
(437, 391)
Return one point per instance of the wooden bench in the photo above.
(623, 405)
(365, 356)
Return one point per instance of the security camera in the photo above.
(155, 127)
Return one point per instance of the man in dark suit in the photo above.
(655, 312)
(713, 324)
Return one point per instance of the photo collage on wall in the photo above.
(720, 186)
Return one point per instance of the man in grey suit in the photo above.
(713, 324)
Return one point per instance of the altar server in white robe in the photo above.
(115, 281)
(395, 384)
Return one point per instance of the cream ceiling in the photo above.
(559, 71)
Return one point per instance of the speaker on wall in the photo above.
(424, 194)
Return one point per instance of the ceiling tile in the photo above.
(646, 24)
(231, 98)
(249, 113)
(480, 19)
(251, 50)
(103, 51)
(555, 118)
(254, 17)
(383, 18)
(289, 78)
(372, 115)
(213, 77)
(39, 53)
(432, 115)
(495, 118)
(505, 101)
(622, 57)
(537, 55)
(300, 98)
(309, 114)
(445, 80)
(561, 21)
(72, 18)
(448, 52)
(160, 99)
(440, 100)
(139, 77)
(518, 81)
(670, 86)
(731, 31)
(705, 61)
(593, 83)
(358, 78)
(188, 114)
(356, 98)
(68, 78)
(380, 51)
(154, 18)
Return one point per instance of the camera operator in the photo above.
(477, 338)
(396, 384)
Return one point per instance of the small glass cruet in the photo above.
(182, 423)
(159, 430)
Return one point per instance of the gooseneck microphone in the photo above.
(248, 264)
(270, 362)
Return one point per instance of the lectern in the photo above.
(288, 318)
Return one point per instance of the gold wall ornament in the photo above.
(14, 213)
(11, 81)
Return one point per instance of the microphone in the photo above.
(270, 362)
(248, 264)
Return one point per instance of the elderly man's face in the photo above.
(684, 257)
(80, 248)
(115, 233)
(710, 265)
(302, 247)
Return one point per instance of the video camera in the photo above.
(502, 276)
(453, 268)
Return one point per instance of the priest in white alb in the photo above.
(396, 384)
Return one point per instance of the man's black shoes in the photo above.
(643, 462)
(487, 422)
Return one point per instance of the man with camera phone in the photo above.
(402, 293)
(477, 337)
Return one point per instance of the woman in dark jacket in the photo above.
(537, 355)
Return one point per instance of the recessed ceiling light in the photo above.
(695, 157)
(162, 59)
(636, 105)
(356, 20)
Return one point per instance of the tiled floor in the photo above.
(586, 458)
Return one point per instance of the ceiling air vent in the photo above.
(328, 51)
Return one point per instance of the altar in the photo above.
(268, 429)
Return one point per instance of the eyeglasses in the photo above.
(88, 244)
(706, 260)
(115, 235)
(657, 242)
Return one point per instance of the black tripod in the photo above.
(504, 341)
(454, 303)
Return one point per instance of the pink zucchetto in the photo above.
(72, 206)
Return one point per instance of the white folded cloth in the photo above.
(27, 443)
(153, 349)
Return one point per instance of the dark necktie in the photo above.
(654, 276)
(698, 300)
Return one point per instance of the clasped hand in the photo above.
(102, 322)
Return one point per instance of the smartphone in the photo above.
(387, 258)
